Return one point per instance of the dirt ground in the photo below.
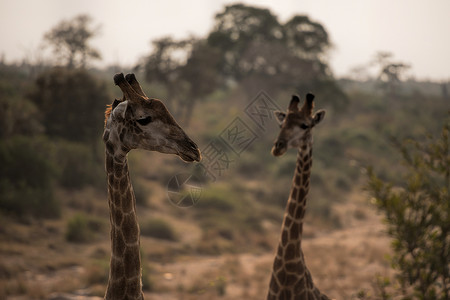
(344, 263)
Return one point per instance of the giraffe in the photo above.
(291, 278)
(134, 122)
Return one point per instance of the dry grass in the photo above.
(344, 262)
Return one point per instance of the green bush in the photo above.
(285, 165)
(228, 213)
(141, 192)
(18, 116)
(418, 217)
(218, 202)
(97, 273)
(158, 228)
(78, 166)
(26, 178)
(82, 229)
(72, 103)
(78, 230)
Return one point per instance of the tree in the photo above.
(18, 116)
(70, 41)
(200, 74)
(26, 173)
(234, 31)
(390, 73)
(71, 103)
(257, 50)
(187, 68)
(306, 38)
(249, 47)
(252, 41)
(26, 178)
(418, 217)
(164, 63)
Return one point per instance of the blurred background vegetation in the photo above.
(51, 122)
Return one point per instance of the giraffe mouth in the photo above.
(190, 152)
(190, 156)
(279, 148)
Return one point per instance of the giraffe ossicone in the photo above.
(291, 278)
(134, 122)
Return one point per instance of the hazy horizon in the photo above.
(414, 31)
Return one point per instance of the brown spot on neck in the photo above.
(125, 267)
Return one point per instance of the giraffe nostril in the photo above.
(192, 145)
(280, 144)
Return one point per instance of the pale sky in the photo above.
(417, 32)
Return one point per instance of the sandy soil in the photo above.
(344, 263)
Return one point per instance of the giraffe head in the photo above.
(296, 125)
(137, 122)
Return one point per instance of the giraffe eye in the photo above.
(304, 126)
(144, 121)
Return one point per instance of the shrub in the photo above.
(78, 230)
(219, 202)
(82, 229)
(26, 178)
(72, 104)
(158, 228)
(228, 214)
(141, 192)
(97, 273)
(77, 165)
(418, 217)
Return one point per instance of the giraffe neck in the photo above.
(125, 265)
(292, 228)
(290, 276)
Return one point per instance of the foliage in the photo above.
(390, 72)
(234, 30)
(161, 65)
(158, 228)
(26, 178)
(77, 165)
(18, 116)
(141, 192)
(71, 103)
(253, 42)
(309, 39)
(82, 229)
(31, 162)
(42, 176)
(229, 214)
(418, 216)
(200, 74)
(77, 229)
(97, 273)
(248, 47)
(186, 67)
(70, 41)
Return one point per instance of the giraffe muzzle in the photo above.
(279, 148)
(190, 152)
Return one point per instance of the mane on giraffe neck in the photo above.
(125, 266)
(291, 278)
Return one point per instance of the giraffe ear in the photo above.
(279, 115)
(120, 110)
(318, 116)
